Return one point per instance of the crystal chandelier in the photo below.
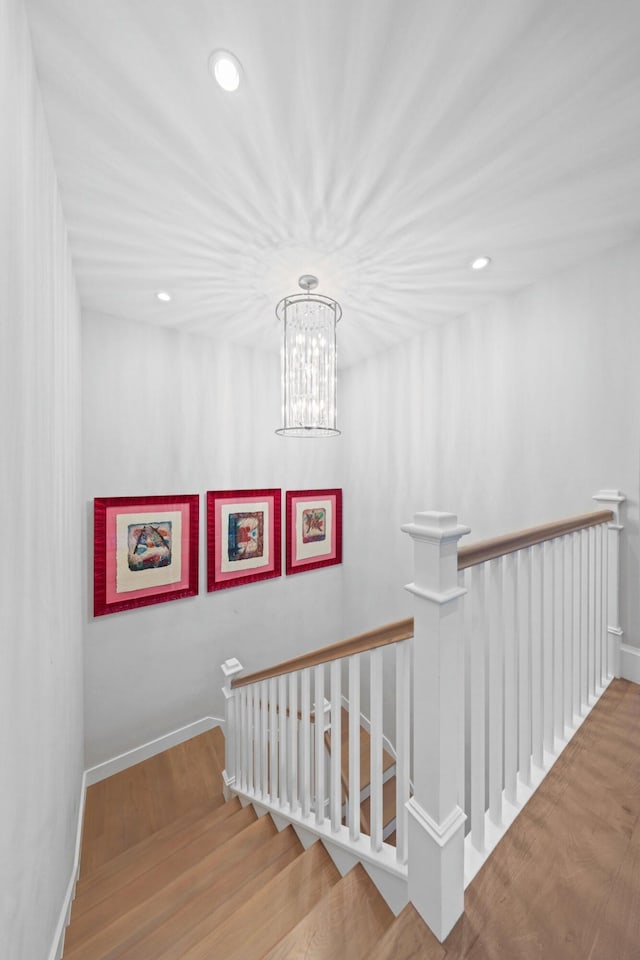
(309, 362)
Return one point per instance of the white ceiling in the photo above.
(380, 144)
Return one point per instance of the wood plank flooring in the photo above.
(129, 806)
(564, 882)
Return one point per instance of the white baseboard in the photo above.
(128, 759)
(57, 947)
(100, 772)
(630, 663)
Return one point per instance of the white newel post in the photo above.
(613, 500)
(436, 821)
(230, 669)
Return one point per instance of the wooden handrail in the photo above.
(391, 633)
(484, 550)
(468, 556)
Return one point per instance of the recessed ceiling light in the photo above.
(480, 263)
(226, 69)
(163, 295)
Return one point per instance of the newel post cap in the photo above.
(435, 527)
(614, 500)
(230, 668)
(609, 496)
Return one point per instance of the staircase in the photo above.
(218, 881)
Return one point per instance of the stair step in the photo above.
(146, 854)
(173, 938)
(388, 807)
(190, 774)
(347, 923)
(272, 912)
(365, 754)
(408, 938)
(135, 891)
(162, 840)
(214, 878)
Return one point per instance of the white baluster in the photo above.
(305, 758)
(239, 734)
(567, 631)
(613, 500)
(336, 746)
(606, 668)
(547, 647)
(478, 705)
(282, 739)
(537, 627)
(257, 755)
(354, 748)
(524, 666)
(375, 677)
(584, 618)
(244, 761)
(577, 623)
(250, 737)
(319, 741)
(597, 608)
(496, 690)
(510, 587)
(264, 737)
(293, 740)
(403, 746)
(273, 740)
(593, 626)
(558, 639)
(462, 702)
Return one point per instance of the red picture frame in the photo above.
(314, 529)
(145, 551)
(244, 539)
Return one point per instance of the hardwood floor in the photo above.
(130, 806)
(563, 884)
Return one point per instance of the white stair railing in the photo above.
(285, 736)
(514, 640)
(510, 656)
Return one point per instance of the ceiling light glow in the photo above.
(163, 295)
(480, 263)
(226, 70)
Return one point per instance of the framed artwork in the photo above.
(243, 537)
(145, 551)
(314, 529)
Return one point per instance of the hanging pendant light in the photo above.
(309, 362)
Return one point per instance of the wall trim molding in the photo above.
(130, 757)
(57, 947)
(630, 663)
(100, 772)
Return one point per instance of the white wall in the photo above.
(170, 413)
(509, 417)
(40, 580)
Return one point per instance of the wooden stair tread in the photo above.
(408, 938)
(146, 854)
(365, 753)
(388, 806)
(348, 922)
(190, 774)
(142, 886)
(171, 939)
(159, 921)
(161, 839)
(272, 912)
